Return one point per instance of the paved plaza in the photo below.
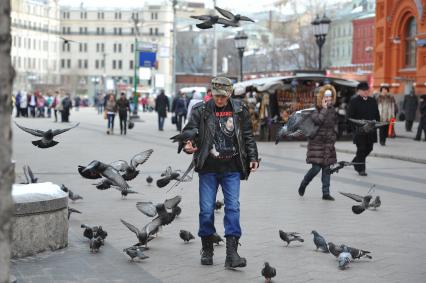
(395, 233)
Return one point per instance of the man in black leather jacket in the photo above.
(225, 152)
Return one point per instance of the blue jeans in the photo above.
(325, 177)
(161, 122)
(208, 185)
(111, 118)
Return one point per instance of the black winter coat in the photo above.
(162, 105)
(203, 119)
(321, 147)
(367, 110)
(410, 106)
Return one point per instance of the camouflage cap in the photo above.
(221, 86)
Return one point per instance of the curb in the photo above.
(381, 155)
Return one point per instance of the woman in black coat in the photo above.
(162, 105)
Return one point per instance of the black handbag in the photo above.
(174, 119)
(131, 124)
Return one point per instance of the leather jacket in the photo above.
(203, 120)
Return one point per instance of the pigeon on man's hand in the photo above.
(182, 138)
(268, 272)
(320, 242)
(46, 140)
(290, 237)
(186, 236)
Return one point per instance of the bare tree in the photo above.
(7, 174)
(194, 51)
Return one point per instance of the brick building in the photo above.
(400, 45)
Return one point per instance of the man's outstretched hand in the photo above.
(184, 137)
(189, 148)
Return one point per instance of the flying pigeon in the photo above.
(144, 235)
(167, 176)
(339, 165)
(89, 174)
(268, 272)
(149, 180)
(233, 18)
(218, 205)
(186, 236)
(94, 232)
(209, 21)
(67, 41)
(129, 170)
(290, 237)
(135, 252)
(182, 138)
(344, 257)
(74, 196)
(95, 244)
(364, 200)
(125, 192)
(29, 176)
(216, 239)
(104, 184)
(72, 210)
(160, 209)
(320, 242)
(47, 136)
(299, 124)
(367, 126)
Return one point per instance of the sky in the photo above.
(239, 6)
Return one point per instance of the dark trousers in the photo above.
(24, 112)
(408, 125)
(123, 122)
(180, 118)
(161, 122)
(383, 134)
(363, 149)
(422, 126)
(55, 112)
(18, 111)
(32, 111)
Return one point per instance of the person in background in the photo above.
(18, 104)
(208, 95)
(77, 102)
(144, 102)
(66, 108)
(162, 105)
(110, 109)
(24, 104)
(57, 105)
(387, 110)
(179, 107)
(40, 104)
(410, 108)
(123, 106)
(422, 122)
(197, 98)
(364, 107)
(49, 103)
(32, 104)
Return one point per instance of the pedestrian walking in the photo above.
(49, 103)
(66, 108)
(361, 106)
(180, 109)
(40, 104)
(123, 106)
(24, 104)
(162, 105)
(32, 104)
(387, 110)
(18, 104)
(110, 110)
(321, 152)
(422, 122)
(197, 98)
(410, 108)
(223, 158)
(77, 102)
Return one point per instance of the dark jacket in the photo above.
(203, 119)
(411, 102)
(179, 105)
(321, 147)
(162, 105)
(367, 110)
(123, 106)
(422, 109)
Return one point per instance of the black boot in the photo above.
(232, 258)
(207, 251)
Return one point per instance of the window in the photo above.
(86, 64)
(410, 43)
(68, 63)
(156, 31)
(115, 30)
(120, 31)
(119, 48)
(97, 47)
(102, 63)
(131, 64)
(115, 47)
(113, 64)
(97, 64)
(120, 64)
(150, 31)
(100, 15)
(131, 48)
(102, 47)
(154, 16)
(79, 63)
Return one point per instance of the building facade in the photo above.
(35, 49)
(99, 51)
(400, 45)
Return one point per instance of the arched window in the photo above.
(410, 43)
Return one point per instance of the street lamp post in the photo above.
(320, 28)
(241, 43)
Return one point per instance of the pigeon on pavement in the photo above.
(344, 257)
(95, 244)
(268, 272)
(129, 170)
(376, 203)
(355, 253)
(290, 237)
(218, 205)
(149, 180)
(186, 236)
(160, 209)
(364, 200)
(46, 140)
(135, 252)
(233, 18)
(72, 210)
(167, 176)
(320, 242)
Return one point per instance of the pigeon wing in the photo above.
(147, 208)
(131, 227)
(33, 132)
(201, 18)
(204, 25)
(31, 175)
(355, 197)
(60, 131)
(153, 226)
(173, 202)
(358, 122)
(226, 22)
(140, 158)
(88, 174)
(111, 174)
(225, 13)
(120, 165)
(244, 18)
(26, 174)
